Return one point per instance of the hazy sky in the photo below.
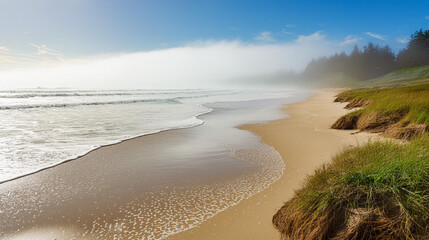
(186, 43)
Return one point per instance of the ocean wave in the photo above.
(32, 95)
(64, 105)
(68, 95)
(86, 93)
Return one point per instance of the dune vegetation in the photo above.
(396, 112)
(376, 191)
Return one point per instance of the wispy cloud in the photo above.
(44, 50)
(402, 40)
(43, 56)
(350, 39)
(264, 36)
(374, 35)
(312, 37)
(284, 31)
(13, 59)
(427, 17)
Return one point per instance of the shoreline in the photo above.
(305, 141)
(106, 145)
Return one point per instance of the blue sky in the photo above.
(86, 27)
(45, 32)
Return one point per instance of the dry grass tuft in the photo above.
(348, 121)
(370, 224)
(407, 132)
(375, 122)
(355, 103)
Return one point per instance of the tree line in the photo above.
(372, 60)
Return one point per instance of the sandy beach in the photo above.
(305, 141)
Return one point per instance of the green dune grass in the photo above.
(401, 112)
(376, 191)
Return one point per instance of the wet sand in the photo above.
(305, 141)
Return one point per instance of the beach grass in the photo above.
(376, 191)
(401, 112)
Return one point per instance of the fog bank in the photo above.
(197, 65)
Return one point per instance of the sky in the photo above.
(158, 44)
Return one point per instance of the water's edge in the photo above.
(107, 145)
